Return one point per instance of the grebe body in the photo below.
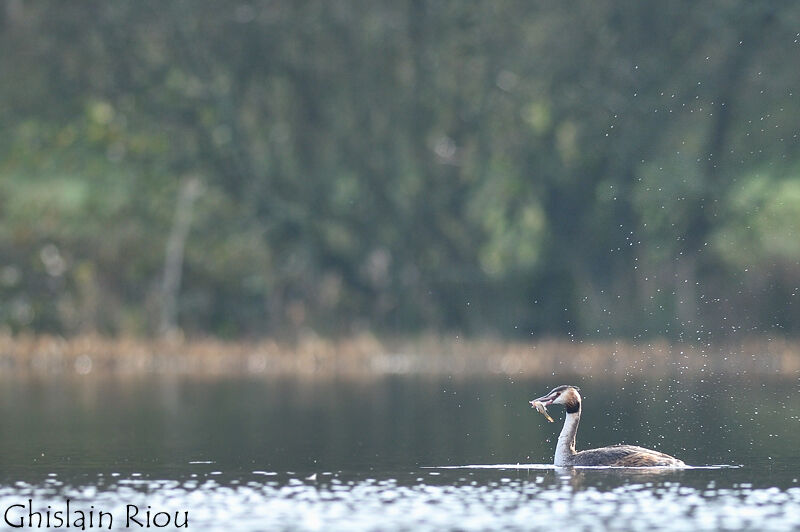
(614, 456)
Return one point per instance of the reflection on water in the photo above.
(259, 454)
(424, 500)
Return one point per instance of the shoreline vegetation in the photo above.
(366, 356)
(443, 166)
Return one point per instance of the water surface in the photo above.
(380, 454)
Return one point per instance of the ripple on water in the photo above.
(577, 500)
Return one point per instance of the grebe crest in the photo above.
(615, 456)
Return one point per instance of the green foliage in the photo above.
(591, 168)
(764, 226)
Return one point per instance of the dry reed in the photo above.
(365, 356)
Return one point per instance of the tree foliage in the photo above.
(591, 168)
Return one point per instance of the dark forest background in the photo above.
(591, 168)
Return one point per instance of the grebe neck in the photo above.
(565, 448)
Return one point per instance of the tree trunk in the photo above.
(173, 256)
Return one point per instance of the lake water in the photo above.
(387, 454)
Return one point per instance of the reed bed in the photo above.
(366, 356)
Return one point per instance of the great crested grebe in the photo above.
(615, 455)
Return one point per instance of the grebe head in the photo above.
(566, 395)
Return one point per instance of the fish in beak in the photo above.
(539, 405)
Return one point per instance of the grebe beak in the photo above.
(547, 400)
